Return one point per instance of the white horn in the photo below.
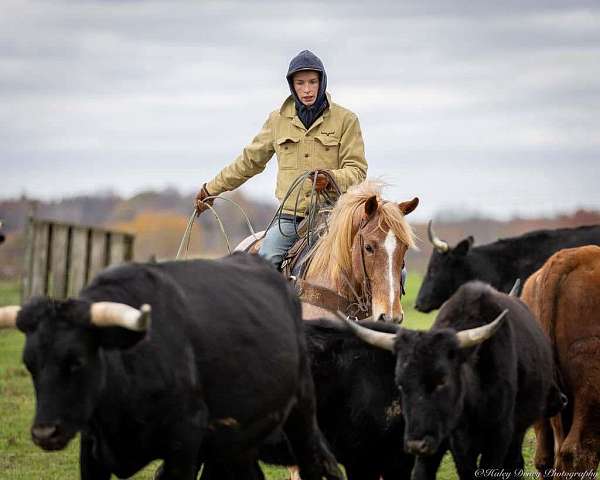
(381, 340)
(514, 291)
(438, 244)
(474, 336)
(112, 314)
(8, 316)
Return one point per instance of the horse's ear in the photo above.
(407, 207)
(371, 206)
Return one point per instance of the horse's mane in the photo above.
(332, 255)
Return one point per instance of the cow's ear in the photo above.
(409, 206)
(463, 246)
(118, 338)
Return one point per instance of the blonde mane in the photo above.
(332, 257)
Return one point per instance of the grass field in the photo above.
(21, 460)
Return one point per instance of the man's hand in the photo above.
(322, 181)
(201, 204)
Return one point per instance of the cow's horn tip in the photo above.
(144, 320)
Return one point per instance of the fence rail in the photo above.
(62, 258)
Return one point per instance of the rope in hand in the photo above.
(184, 245)
(316, 199)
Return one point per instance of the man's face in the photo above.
(306, 86)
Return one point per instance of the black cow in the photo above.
(481, 395)
(357, 404)
(498, 263)
(2, 237)
(223, 365)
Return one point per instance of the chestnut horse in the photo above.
(361, 255)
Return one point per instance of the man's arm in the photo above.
(353, 165)
(252, 161)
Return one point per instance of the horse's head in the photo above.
(378, 248)
(362, 254)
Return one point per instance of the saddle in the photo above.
(297, 259)
(295, 264)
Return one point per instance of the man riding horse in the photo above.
(308, 133)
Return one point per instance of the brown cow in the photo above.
(564, 295)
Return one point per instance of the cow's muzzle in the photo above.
(50, 436)
(422, 306)
(423, 446)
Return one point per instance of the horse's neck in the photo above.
(322, 279)
(311, 311)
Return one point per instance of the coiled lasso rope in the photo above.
(315, 199)
(184, 245)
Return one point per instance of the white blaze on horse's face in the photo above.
(390, 245)
(385, 279)
(383, 255)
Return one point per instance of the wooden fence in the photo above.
(62, 258)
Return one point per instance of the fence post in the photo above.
(26, 280)
(61, 259)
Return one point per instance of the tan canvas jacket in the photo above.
(334, 142)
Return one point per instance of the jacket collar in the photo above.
(288, 109)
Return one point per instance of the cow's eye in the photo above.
(74, 364)
(438, 382)
(369, 248)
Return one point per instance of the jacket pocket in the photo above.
(327, 150)
(287, 152)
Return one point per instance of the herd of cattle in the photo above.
(194, 363)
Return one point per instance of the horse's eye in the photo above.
(369, 248)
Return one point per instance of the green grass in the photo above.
(412, 318)
(21, 460)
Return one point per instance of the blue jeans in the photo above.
(276, 244)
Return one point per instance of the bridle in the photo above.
(363, 302)
(358, 305)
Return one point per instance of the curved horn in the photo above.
(474, 336)
(438, 244)
(381, 340)
(514, 291)
(112, 314)
(8, 316)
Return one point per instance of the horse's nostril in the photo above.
(384, 318)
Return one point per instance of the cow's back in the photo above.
(237, 313)
(248, 332)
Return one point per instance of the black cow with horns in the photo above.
(222, 364)
(480, 385)
(498, 263)
(357, 404)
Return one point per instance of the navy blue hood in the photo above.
(306, 60)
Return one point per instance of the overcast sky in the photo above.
(476, 106)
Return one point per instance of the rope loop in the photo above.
(184, 245)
